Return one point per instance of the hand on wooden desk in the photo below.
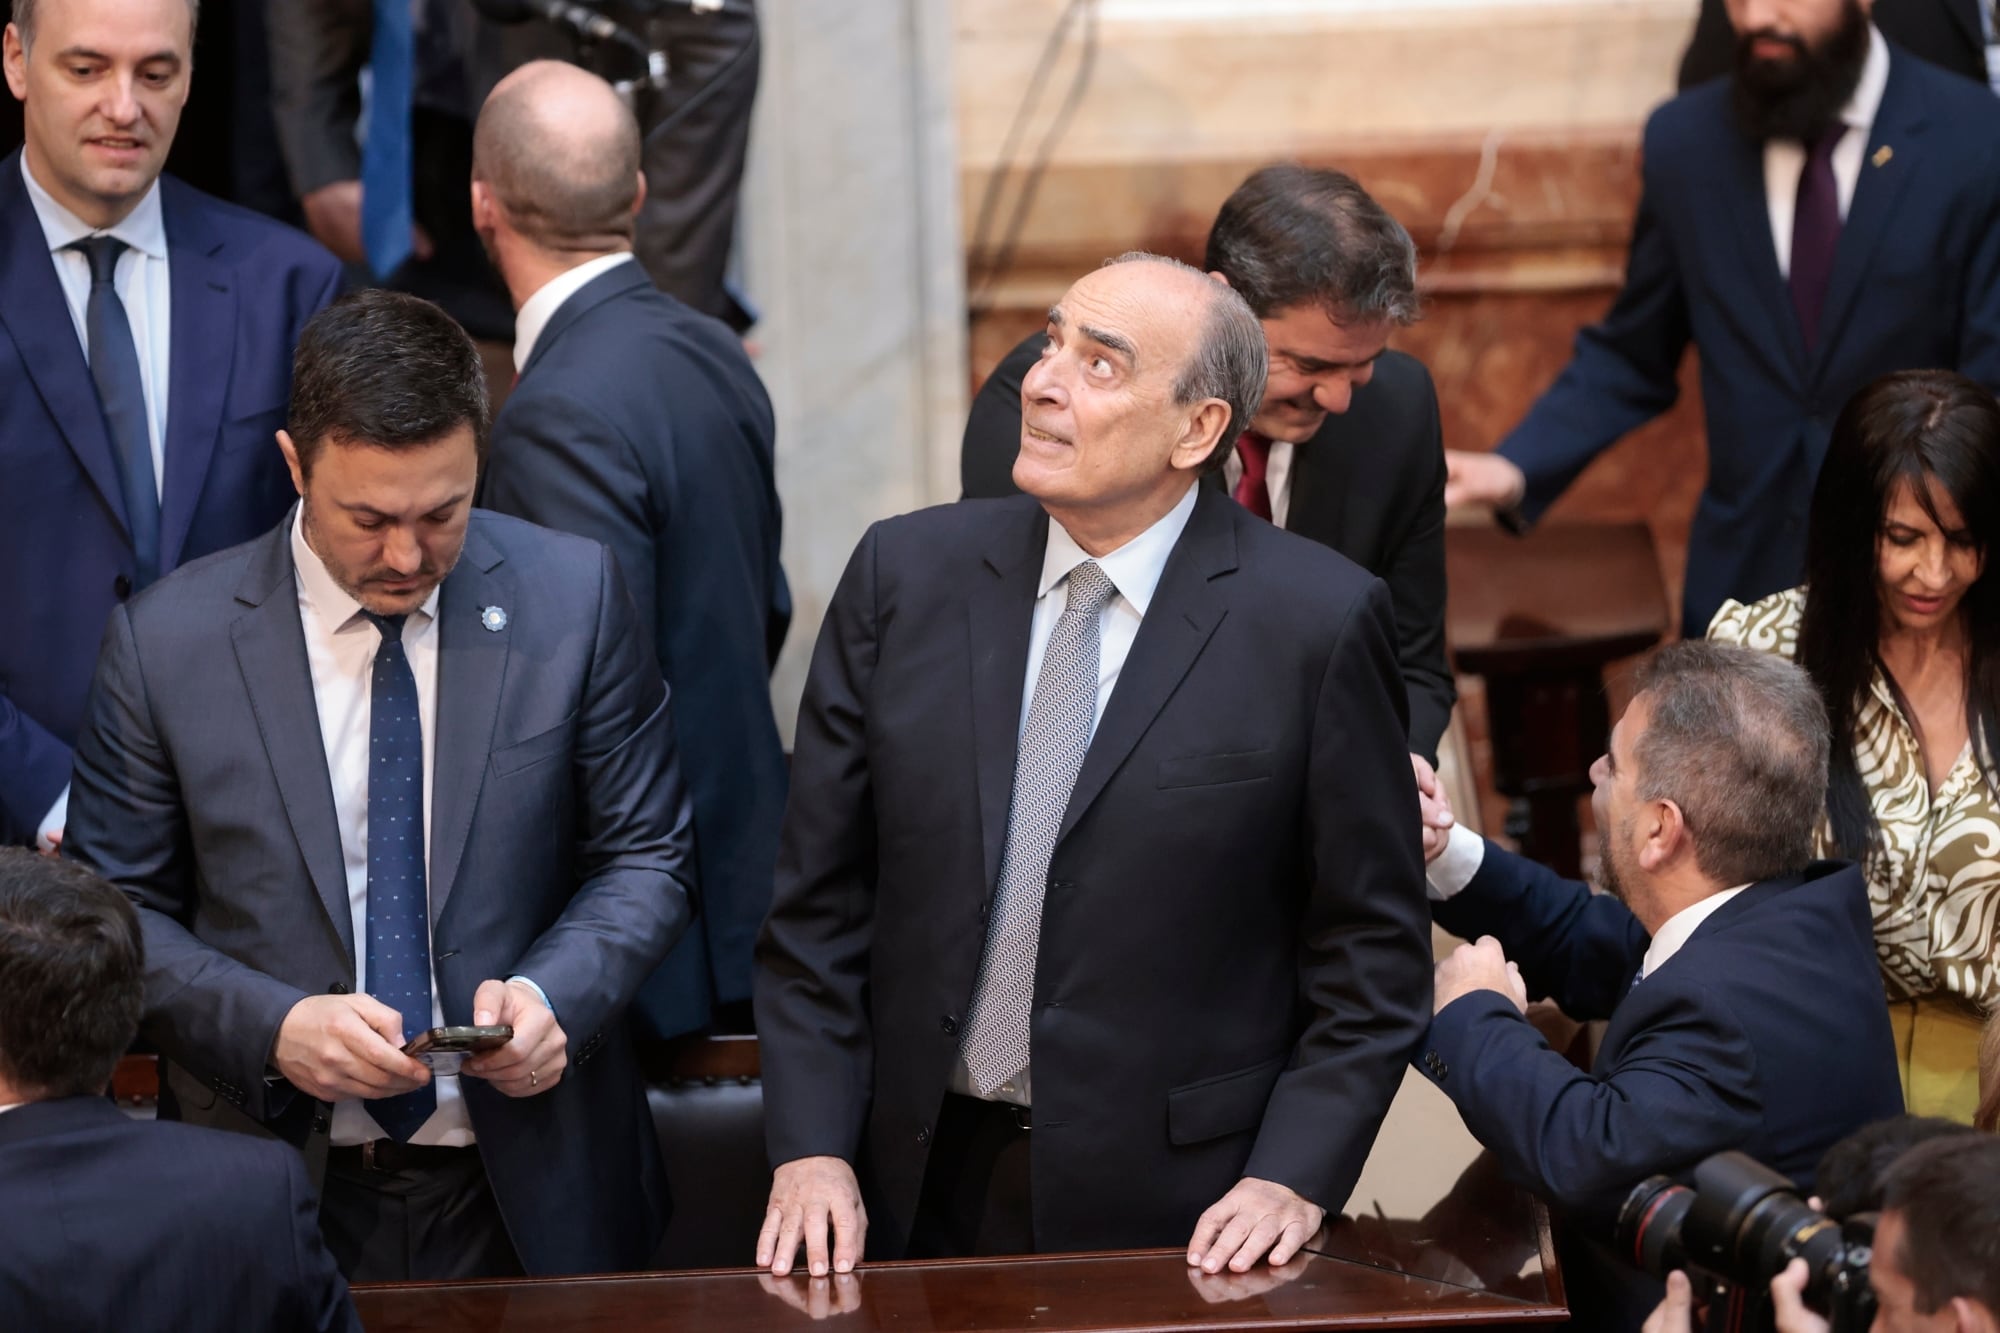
(1226, 1286)
(1479, 966)
(816, 1297)
(809, 1195)
(1254, 1218)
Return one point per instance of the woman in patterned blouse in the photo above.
(1901, 632)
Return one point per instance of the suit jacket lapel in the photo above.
(1750, 218)
(999, 616)
(203, 345)
(1183, 614)
(1899, 126)
(37, 317)
(270, 647)
(472, 665)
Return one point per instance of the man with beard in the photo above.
(1951, 34)
(395, 765)
(1737, 974)
(1828, 215)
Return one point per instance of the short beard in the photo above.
(1801, 98)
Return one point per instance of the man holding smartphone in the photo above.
(398, 765)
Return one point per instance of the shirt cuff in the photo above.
(1464, 852)
(539, 992)
(53, 822)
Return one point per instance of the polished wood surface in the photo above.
(1432, 1238)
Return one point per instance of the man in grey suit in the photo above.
(395, 765)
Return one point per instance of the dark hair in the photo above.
(1948, 1193)
(1738, 740)
(1850, 1177)
(24, 19)
(381, 368)
(1912, 426)
(1292, 235)
(1230, 362)
(72, 976)
(567, 184)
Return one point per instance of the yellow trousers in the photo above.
(1937, 1046)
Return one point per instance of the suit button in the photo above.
(949, 1024)
(121, 587)
(337, 988)
(923, 1135)
(322, 1123)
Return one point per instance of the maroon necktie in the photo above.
(1251, 492)
(1815, 233)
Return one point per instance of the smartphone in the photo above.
(445, 1049)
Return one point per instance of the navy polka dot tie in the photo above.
(399, 927)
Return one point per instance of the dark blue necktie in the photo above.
(399, 925)
(386, 186)
(114, 366)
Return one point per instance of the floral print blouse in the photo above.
(1934, 890)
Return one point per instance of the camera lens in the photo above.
(1649, 1225)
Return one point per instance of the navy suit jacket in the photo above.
(639, 422)
(243, 287)
(119, 1223)
(559, 842)
(1916, 283)
(1766, 1033)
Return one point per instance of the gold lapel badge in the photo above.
(1882, 155)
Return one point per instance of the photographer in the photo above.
(1851, 1179)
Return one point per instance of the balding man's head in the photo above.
(558, 153)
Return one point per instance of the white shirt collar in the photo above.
(11, 1106)
(336, 607)
(144, 228)
(1859, 113)
(1676, 929)
(539, 309)
(1134, 568)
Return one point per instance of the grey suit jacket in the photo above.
(560, 850)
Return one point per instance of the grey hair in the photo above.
(1291, 235)
(1738, 740)
(24, 21)
(1230, 362)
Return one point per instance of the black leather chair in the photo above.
(708, 1109)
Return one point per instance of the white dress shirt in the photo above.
(538, 309)
(1277, 477)
(144, 285)
(340, 648)
(1134, 570)
(1989, 27)
(1785, 159)
(1465, 852)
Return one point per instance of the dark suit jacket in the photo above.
(242, 289)
(1234, 955)
(1916, 283)
(558, 850)
(1766, 1033)
(1944, 32)
(119, 1223)
(641, 423)
(1370, 484)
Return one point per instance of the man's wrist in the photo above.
(539, 993)
(1456, 866)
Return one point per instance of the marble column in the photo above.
(851, 248)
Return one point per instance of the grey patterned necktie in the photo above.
(1045, 768)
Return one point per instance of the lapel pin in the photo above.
(494, 618)
(1882, 155)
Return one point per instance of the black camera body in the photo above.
(1739, 1226)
